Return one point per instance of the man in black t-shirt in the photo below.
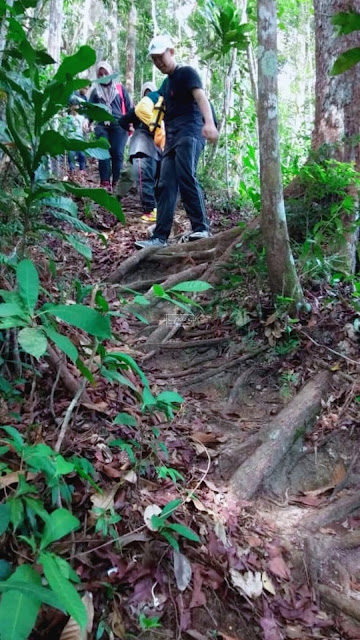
(188, 122)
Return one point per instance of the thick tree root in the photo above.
(347, 605)
(281, 433)
(131, 264)
(334, 512)
(211, 372)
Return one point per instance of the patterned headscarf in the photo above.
(106, 92)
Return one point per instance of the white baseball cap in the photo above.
(159, 44)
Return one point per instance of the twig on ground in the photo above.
(323, 346)
(74, 402)
(52, 393)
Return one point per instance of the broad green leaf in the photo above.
(44, 595)
(28, 281)
(9, 323)
(170, 507)
(59, 524)
(158, 290)
(130, 362)
(169, 396)
(171, 540)
(63, 342)
(96, 112)
(19, 610)
(80, 246)
(346, 61)
(63, 467)
(65, 568)
(191, 286)
(98, 153)
(125, 418)
(63, 203)
(101, 197)
(5, 569)
(346, 21)
(184, 531)
(15, 437)
(4, 517)
(16, 511)
(82, 317)
(65, 591)
(54, 144)
(33, 341)
(84, 58)
(8, 309)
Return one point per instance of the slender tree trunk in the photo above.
(55, 28)
(4, 29)
(282, 273)
(337, 103)
(130, 50)
(86, 22)
(114, 31)
(229, 76)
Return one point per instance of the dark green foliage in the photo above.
(346, 22)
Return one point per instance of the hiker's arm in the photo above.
(209, 130)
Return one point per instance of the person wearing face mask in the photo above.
(189, 121)
(115, 98)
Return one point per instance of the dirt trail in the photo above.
(266, 442)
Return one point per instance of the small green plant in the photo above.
(26, 515)
(289, 380)
(168, 530)
(38, 324)
(149, 623)
(105, 521)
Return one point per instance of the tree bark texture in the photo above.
(55, 28)
(4, 29)
(281, 267)
(279, 437)
(337, 100)
(130, 50)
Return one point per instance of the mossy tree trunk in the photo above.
(281, 267)
(337, 104)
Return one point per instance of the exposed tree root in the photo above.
(347, 605)
(131, 264)
(336, 511)
(224, 367)
(235, 392)
(281, 433)
(70, 383)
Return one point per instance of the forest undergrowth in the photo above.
(214, 481)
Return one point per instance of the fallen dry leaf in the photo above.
(279, 568)
(105, 500)
(150, 511)
(182, 571)
(267, 584)
(131, 477)
(249, 583)
(13, 478)
(203, 437)
(117, 622)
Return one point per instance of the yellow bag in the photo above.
(152, 113)
(160, 137)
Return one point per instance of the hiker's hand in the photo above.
(210, 132)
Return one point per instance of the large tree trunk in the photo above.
(337, 100)
(282, 273)
(55, 28)
(130, 50)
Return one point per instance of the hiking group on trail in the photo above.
(168, 129)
